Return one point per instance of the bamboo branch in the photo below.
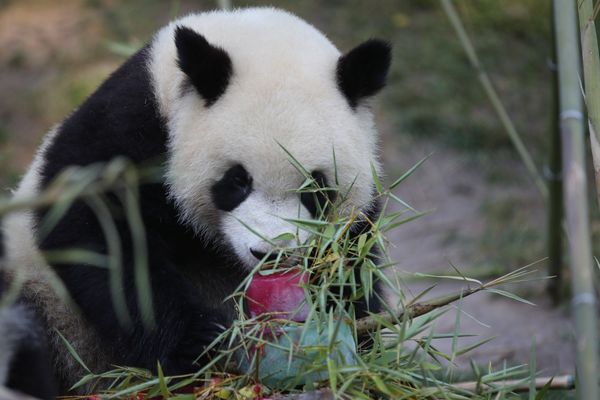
(591, 75)
(225, 4)
(554, 240)
(575, 199)
(77, 182)
(415, 309)
(563, 382)
(493, 97)
(374, 322)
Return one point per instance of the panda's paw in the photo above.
(195, 348)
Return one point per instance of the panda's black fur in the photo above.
(190, 276)
(121, 119)
(25, 364)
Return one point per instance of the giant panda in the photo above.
(216, 97)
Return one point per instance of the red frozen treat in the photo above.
(280, 292)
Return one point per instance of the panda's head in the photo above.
(236, 89)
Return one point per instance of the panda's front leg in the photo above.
(183, 326)
(184, 323)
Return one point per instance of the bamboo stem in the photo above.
(415, 309)
(591, 82)
(96, 180)
(575, 199)
(557, 286)
(225, 4)
(493, 97)
(374, 322)
(591, 75)
(563, 382)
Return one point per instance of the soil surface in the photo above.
(454, 187)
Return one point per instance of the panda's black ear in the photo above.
(208, 67)
(362, 72)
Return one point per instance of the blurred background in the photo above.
(485, 215)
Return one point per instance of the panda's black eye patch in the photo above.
(316, 201)
(232, 189)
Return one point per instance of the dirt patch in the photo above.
(31, 36)
(36, 43)
(456, 189)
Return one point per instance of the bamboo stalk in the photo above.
(225, 4)
(557, 286)
(97, 180)
(374, 322)
(415, 309)
(591, 75)
(320, 394)
(563, 382)
(575, 199)
(493, 97)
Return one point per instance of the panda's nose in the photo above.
(261, 255)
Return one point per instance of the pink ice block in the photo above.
(280, 292)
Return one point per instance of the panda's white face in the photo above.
(242, 177)
(227, 167)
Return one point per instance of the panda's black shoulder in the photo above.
(120, 118)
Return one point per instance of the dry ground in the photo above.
(455, 188)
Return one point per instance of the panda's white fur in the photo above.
(283, 93)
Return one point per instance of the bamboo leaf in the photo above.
(72, 351)
(510, 296)
(466, 349)
(408, 173)
(376, 180)
(162, 382)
